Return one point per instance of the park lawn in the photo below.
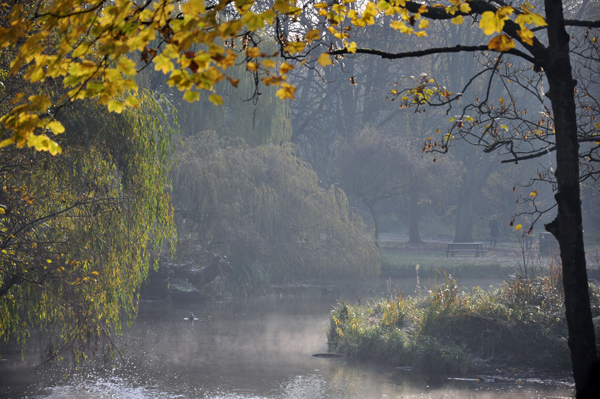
(403, 264)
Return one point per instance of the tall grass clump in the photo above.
(520, 323)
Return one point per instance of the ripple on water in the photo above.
(103, 388)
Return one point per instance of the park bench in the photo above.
(460, 247)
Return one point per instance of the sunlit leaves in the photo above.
(99, 66)
(325, 60)
(56, 127)
(194, 8)
(116, 106)
(492, 22)
(286, 91)
(311, 35)
(501, 43)
(351, 47)
(253, 52)
(244, 5)
(215, 99)
(295, 47)
(41, 142)
(465, 8)
(163, 63)
(191, 96)
(285, 68)
(401, 26)
(458, 20)
(368, 16)
(268, 64)
(529, 17)
(132, 101)
(94, 54)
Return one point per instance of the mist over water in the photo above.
(245, 349)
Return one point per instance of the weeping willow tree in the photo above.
(77, 230)
(264, 206)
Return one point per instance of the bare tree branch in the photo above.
(435, 50)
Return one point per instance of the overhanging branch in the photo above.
(530, 156)
(585, 24)
(435, 50)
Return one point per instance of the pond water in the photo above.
(257, 348)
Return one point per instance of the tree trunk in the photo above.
(414, 237)
(371, 207)
(463, 231)
(477, 172)
(567, 227)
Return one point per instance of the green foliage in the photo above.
(78, 229)
(264, 205)
(521, 323)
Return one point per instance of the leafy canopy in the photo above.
(90, 44)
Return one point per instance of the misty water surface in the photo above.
(247, 349)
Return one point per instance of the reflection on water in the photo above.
(244, 349)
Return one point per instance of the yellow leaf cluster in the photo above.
(89, 45)
(287, 91)
(325, 60)
(501, 43)
(492, 22)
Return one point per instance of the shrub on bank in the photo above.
(442, 330)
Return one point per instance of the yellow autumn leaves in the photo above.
(94, 56)
(492, 22)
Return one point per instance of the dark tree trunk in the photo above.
(567, 227)
(414, 237)
(476, 175)
(463, 231)
(371, 207)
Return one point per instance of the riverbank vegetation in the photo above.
(518, 324)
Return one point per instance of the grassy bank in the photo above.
(443, 330)
(399, 259)
(401, 264)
